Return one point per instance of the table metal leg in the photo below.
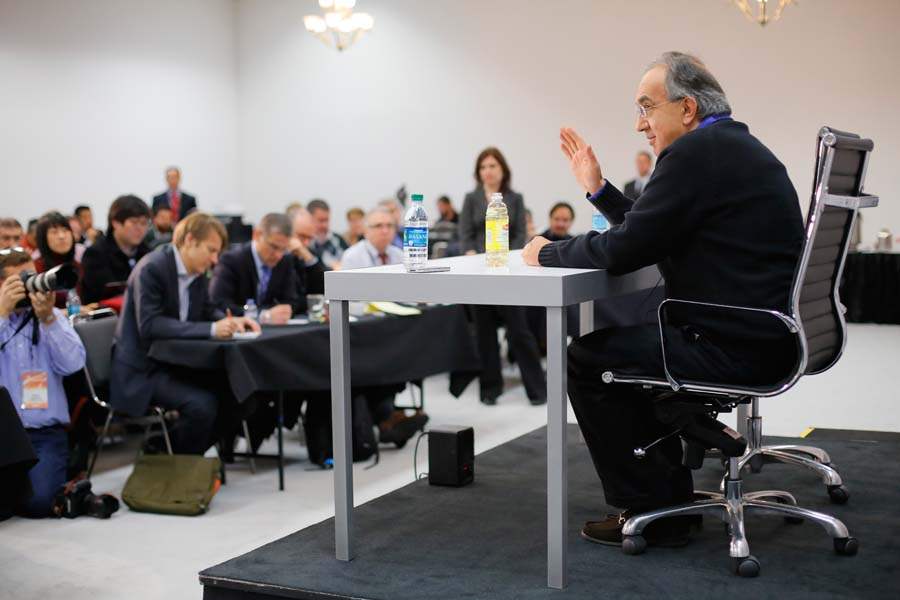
(280, 441)
(586, 317)
(557, 466)
(340, 423)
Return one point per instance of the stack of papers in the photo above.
(392, 308)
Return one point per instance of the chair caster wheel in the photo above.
(634, 544)
(747, 566)
(756, 463)
(838, 494)
(847, 546)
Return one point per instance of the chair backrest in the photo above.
(840, 171)
(96, 333)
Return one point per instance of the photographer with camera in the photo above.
(38, 347)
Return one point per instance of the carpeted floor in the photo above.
(488, 540)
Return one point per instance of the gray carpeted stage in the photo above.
(488, 540)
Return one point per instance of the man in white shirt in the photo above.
(376, 249)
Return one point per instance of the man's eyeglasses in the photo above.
(644, 111)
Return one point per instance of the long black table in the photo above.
(870, 288)
(288, 358)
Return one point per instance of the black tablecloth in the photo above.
(383, 350)
(871, 287)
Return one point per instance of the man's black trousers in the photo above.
(617, 418)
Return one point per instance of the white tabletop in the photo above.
(470, 281)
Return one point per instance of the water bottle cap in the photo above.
(496, 196)
(417, 197)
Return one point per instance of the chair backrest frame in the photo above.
(107, 320)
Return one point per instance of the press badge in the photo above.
(34, 390)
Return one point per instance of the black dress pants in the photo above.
(617, 418)
(522, 342)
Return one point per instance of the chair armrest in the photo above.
(785, 320)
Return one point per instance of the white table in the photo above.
(469, 281)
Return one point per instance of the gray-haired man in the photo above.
(721, 219)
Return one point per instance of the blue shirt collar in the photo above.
(709, 120)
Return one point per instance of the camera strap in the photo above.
(35, 333)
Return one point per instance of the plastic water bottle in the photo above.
(73, 303)
(415, 235)
(250, 309)
(599, 222)
(496, 232)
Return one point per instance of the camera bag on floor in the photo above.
(172, 484)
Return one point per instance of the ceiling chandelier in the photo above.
(765, 11)
(340, 27)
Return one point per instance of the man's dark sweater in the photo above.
(720, 217)
(105, 263)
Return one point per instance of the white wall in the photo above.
(98, 96)
(437, 81)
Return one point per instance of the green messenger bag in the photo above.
(176, 484)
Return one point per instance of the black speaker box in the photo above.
(451, 455)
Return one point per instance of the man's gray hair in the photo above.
(275, 223)
(687, 76)
(380, 209)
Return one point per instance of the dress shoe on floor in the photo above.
(400, 428)
(672, 532)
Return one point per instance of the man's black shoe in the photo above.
(538, 401)
(399, 428)
(489, 398)
(672, 532)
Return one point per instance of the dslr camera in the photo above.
(77, 499)
(60, 277)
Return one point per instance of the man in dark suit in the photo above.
(634, 188)
(109, 261)
(721, 219)
(261, 270)
(179, 202)
(167, 298)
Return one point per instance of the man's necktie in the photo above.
(175, 205)
(383, 257)
(265, 273)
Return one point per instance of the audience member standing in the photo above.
(634, 188)
(261, 270)
(179, 201)
(167, 298)
(561, 217)
(108, 263)
(39, 347)
(327, 245)
(85, 218)
(10, 234)
(492, 175)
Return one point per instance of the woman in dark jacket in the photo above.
(56, 245)
(492, 175)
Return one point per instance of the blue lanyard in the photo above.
(713, 119)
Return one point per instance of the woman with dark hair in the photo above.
(55, 246)
(492, 175)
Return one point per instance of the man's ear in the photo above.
(690, 111)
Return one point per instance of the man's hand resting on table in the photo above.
(227, 327)
(277, 315)
(532, 250)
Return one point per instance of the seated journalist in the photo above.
(38, 347)
(167, 298)
(261, 270)
(720, 217)
(310, 271)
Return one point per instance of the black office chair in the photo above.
(817, 323)
(96, 330)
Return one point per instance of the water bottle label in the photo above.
(73, 309)
(415, 237)
(599, 222)
(496, 236)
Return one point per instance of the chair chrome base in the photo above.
(815, 459)
(730, 508)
